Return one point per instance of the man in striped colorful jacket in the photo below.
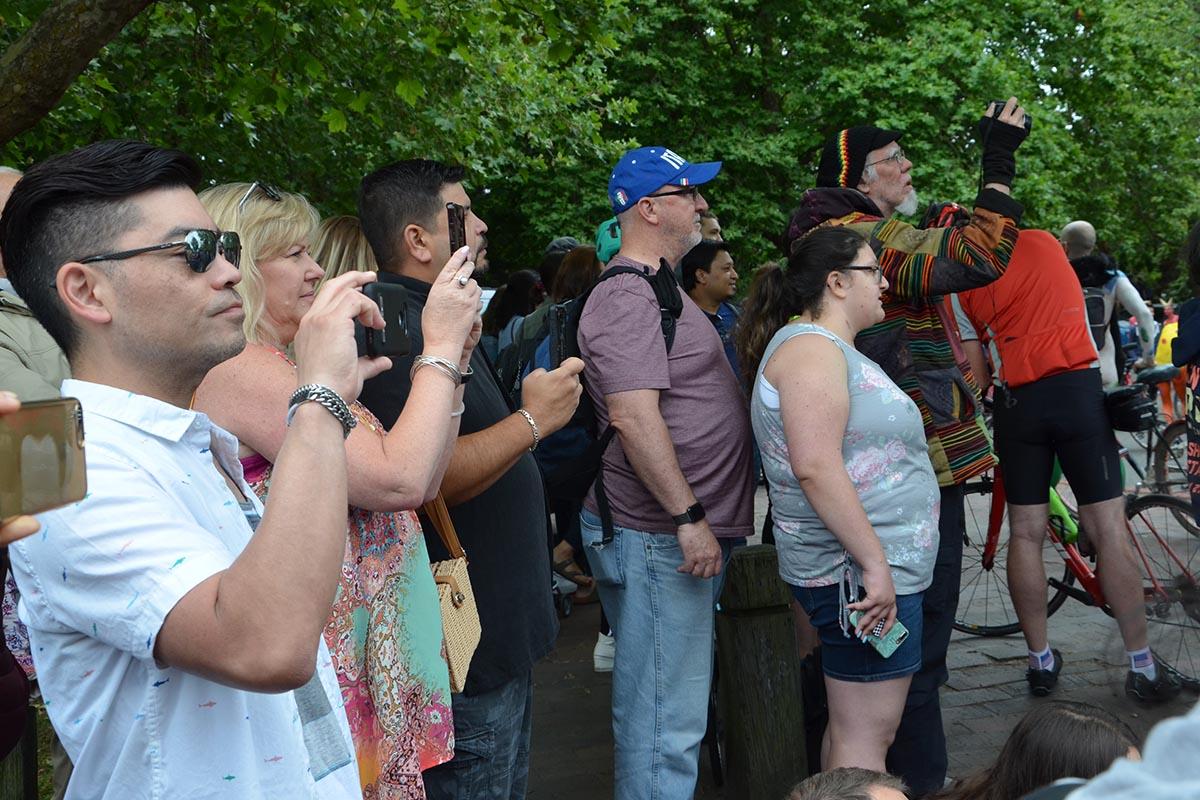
(862, 181)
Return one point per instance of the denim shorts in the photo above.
(848, 659)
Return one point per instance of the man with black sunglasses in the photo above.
(180, 655)
(864, 178)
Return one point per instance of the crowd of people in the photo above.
(243, 605)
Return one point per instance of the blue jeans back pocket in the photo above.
(604, 559)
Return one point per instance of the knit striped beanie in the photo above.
(845, 154)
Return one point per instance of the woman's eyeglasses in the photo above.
(878, 270)
(200, 248)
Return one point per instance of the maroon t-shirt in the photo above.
(622, 345)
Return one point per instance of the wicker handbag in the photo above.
(460, 618)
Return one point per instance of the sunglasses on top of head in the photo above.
(200, 248)
(269, 191)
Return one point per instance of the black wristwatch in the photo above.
(695, 513)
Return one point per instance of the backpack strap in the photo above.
(670, 304)
(666, 293)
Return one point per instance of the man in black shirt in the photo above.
(492, 484)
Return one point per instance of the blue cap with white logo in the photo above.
(641, 171)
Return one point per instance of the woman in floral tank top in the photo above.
(854, 497)
(385, 633)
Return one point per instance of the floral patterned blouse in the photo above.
(886, 458)
(385, 637)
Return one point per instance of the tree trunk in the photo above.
(37, 69)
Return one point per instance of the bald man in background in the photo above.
(1078, 238)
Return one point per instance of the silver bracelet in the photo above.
(459, 412)
(537, 437)
(443, 365)
(316, 393)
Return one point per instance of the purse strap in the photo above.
(437, 512)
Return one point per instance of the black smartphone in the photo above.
(456, 218)
(393, 339)
(41, 457)
(998, 107)
(556, 321)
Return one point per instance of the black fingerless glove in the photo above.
(1000, 143)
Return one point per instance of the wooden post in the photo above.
(18, 770)
(760, 696)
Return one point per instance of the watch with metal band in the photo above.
(694, 513)
(316, 393)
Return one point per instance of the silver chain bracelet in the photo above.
(323, 395)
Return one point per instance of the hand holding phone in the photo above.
(393, 339)
(41, 457)
(884, 644)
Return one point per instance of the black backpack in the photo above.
(1094, 271)
(574, 476)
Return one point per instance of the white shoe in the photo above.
(604, 652)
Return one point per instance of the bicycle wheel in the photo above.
(984, 605)
(1170, 468)
(1169, 556)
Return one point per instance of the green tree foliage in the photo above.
(309, 95)
(760, 84)
(539, 100)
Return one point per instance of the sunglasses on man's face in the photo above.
(690, 192)
(200, 248)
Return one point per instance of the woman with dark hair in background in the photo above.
(1055, 740)
(853, 493)
(513, 302)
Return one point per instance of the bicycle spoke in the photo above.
(1169, 555)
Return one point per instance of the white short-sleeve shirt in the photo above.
(96, 584)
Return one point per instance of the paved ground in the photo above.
(985, 698)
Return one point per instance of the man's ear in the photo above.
(702, 277)
(86, 292)
(863, 185)
(418, 243)
(647, 210)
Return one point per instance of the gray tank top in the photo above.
(886, 458)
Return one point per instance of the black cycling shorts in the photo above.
(1062, 415)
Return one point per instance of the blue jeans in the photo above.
(663, 621)
(491, 746)
(727, 546)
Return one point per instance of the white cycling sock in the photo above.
(1142, 661)
(1042, 660)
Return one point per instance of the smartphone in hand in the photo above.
(556, 321)
(889, 642)
(41, 457)
(456, 218)
(393, 339)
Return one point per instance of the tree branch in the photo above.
(38, 68)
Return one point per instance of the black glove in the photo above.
(1000, 143)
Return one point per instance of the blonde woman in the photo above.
(340, 247)
(385, 633)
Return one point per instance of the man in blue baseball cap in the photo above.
(656, 370)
